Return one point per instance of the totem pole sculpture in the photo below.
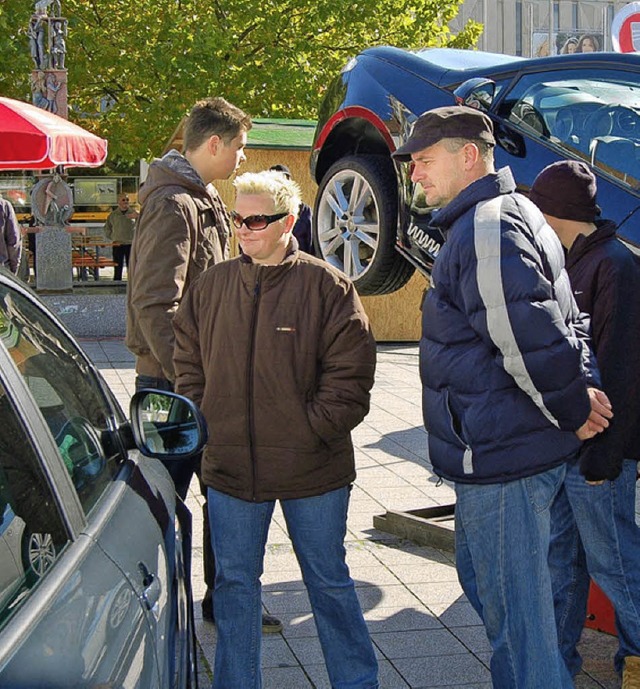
(51, 197)
(47, 33)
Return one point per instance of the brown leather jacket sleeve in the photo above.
(187, 357)
(347, 366)
(158, 284)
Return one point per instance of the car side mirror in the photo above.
(477, 93)
(166, 424)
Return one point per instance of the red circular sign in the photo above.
(625, 29)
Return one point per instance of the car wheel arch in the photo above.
(352, 135)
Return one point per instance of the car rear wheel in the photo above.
(355, 223)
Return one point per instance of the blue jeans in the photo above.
(594, 533)
(502, 546)
(317, 527)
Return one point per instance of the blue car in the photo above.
(372, 222)
(94, 573)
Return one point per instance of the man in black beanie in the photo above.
(593, 518)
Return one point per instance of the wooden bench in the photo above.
(85, 255)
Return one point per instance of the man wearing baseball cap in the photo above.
(593, 528)
(508, 383)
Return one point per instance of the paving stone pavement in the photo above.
(425, 632)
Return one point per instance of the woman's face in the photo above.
(571, 48)
(588, 46)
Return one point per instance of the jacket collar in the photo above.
(605, 231)
(268, 275)
(487, 187)
(176, 162)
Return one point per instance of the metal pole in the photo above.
(484, 24)
(550, 27)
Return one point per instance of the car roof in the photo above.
(455, 64)
(458, 59)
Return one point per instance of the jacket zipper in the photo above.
(250, 415)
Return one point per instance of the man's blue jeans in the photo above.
(317, 528)
(594, 533)
(502, 547)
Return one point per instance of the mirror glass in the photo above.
(167, 424)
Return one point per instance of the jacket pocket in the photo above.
(205, 253)
(441, 422)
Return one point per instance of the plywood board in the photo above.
(394, 317)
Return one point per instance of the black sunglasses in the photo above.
(255, 222)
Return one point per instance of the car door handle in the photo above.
(152, 588)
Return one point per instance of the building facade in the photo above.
(531, 28)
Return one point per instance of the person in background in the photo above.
(302, 228)
(183, 228)
(569, 46)
(119, 229)
(10, 237)
(298, 361)
(543, 49)
(593, 528)
(507, 380)
(31, 248)
(588, 43)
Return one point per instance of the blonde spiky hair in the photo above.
(285, 192)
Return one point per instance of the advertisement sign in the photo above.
(625, 29)
(95, 191)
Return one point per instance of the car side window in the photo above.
(67, 392)
(596, 119)
(32, 534)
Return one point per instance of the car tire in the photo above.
(355, 223)
(38, 553)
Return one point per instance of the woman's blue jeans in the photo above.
(317, 528)
(502, 547)
(594, 535)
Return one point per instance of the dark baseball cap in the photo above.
(449, 122)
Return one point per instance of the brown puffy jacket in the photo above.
(182, 229)
(281, 361)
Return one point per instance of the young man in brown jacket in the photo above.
(276, 349)
(183, 228)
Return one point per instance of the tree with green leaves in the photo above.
(135, 68)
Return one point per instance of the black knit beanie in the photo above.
(567, 190)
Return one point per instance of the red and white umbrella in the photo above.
(34, 139)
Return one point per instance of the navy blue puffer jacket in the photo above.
(504, 356)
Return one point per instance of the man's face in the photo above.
(266, 246)
(123, 203)
(229, 156)
(440, 173)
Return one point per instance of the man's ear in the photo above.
(213, 144)
(471, 154)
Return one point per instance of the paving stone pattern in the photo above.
(425, 632)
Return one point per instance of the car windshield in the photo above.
(597, 119)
